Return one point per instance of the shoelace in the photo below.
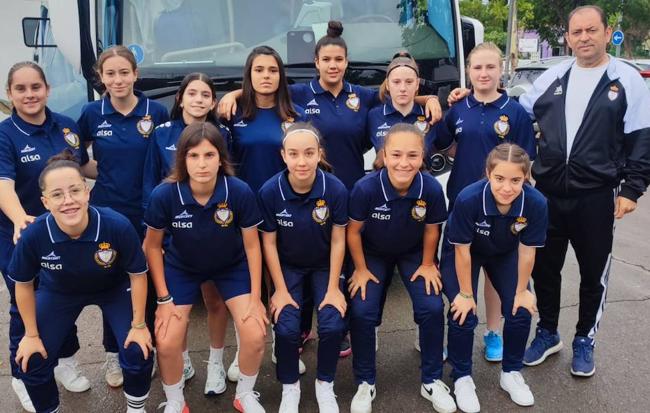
(519, 379)
(440, 384)
(214, 364)
(112, 363)
(583, 350)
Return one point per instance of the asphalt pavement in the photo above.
(621, 382)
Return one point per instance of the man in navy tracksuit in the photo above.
(593, 164)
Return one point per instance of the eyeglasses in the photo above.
(75, 193)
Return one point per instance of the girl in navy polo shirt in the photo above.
(477, 124)
(28, 138)
(496, 224)
(305, 202)
(119, 128)
(395, 216)
(81, 255)
(194, 102)
(211, 218)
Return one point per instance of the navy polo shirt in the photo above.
(341, 121)
(120, 146)
(381, 118)
(478, 128)
(394, 224)
(203, 239)
(24, 151)
(304, 224)
(476, 220)
(256, 145)
(97, 261)
(161, 154)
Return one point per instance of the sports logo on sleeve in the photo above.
(287, 123)
(613, 92)
(422, 124)
(519, 225)
(501, 126)
(145, 126)
(419, 210)
(353, 102)
(71, 138)
(321, 212)
(105, 255)
(223, 215)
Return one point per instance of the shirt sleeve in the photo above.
(444, 134)
(157, 213)
(130, 255)
(265, 202)
(85, 130)
(24, 265)
(7, 158)
(81, 152)
(637, 140)
(358, 204)
(152, 175)
(340, 205)
(436, 206)
(534, 235)
(524, 134)
(460, 226)
(247, 213)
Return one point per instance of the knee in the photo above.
(132, 358)
(522, 318)
(330, 322)
(168, 345)
(431, 308)
(288, 324)
(470, 323)
(362, 312)
(251, 338)
(39, 370)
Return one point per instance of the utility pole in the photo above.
(512, 13)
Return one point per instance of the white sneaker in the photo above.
(113, 374)
(438, 394)
(513, 382)
(301, 366)
(188, 368)
(233, 369)
(21, 392)
(248, 402)
(215, 382)
(465, 392)
(68, 374)
(326, 398)
(290, 398)
(174, 406)
(362, 400)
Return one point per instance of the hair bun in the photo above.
(334, 28)
(64, 155)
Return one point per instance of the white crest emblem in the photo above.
(223, 215)
(287, 124)
(422, 124)
(613, 92)
(71, 138)
(105, 255)
(519, 225)
(419, 210)
(353, 102)
(321, 212)
(145, 126)
(502, 126)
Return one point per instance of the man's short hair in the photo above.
(597, 9)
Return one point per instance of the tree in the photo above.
(493, 15)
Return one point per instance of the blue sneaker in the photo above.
(544, 344)
(583, 357)
(493, 346)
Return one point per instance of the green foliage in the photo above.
(494, 17)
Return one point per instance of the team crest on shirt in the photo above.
(613, 92)
(287, 123)
(223, 215)
(422, 124)
(419, 210)
(321, 212)
(519, 225)
(105, 255)
(71, 138)
(145, 126)
(502, 126)
(353, 102)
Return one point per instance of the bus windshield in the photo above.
(221, 33)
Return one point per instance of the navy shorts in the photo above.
(185, 286)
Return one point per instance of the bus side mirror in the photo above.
(473, 32)
(35, 30)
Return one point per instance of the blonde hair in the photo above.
(508, 152)
(486, 46)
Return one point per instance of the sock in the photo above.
(67, 360)
(216, 355)
(174, 391)
(245, 383)
(237, 336)
(135, 404)
(186, 355)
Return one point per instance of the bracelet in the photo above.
(139, 326)
(468, 296)
(165, 300)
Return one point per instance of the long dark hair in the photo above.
(177, 111)
(192, 136)
(283, 105)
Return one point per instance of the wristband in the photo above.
(164, 300)
(468, 296)
(139, 326)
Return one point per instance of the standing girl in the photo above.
(395, 217)
(305, 202)
(194, 102)
(82, 256)
(119, 127)
(212, 219)
(28, 138)
(496, 224)
(483, 120)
